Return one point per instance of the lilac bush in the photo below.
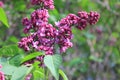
(44, 36)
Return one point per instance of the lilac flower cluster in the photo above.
(49, 4)
(43, 36)
(80, 21)
(44, 33)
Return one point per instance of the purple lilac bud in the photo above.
(85, 18)
(83, 15)
(68, 21)
(25, 42)
(27, 25)
(46, 38)
(49, 4)
(93, 17)
(25, 21)
(82, 22)
(66, 44)
(39, 16)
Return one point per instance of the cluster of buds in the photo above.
(44, 36)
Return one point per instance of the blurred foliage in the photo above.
(96, 51)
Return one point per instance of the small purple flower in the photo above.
(39, 16)
(49, 4)
(83, 20)
(25, 42)
(83, 15)
(68, 21)
(26, 22)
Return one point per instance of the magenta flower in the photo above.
(93, 17)
(2, 77)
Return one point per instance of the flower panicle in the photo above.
(43, 36)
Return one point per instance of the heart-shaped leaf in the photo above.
(53, 63)
(20, 73)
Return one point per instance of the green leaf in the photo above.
(10, 50)
(53, 63)
(8, 69)
(13, 39)
(38, 73)
(31, 56)
(20, 73)
(3, 17)
(54, 16)
(63, 74)
(15, 60)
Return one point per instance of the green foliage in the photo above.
(54, 16)
(9, 50)
(31, 56)
(19, 73)
(16, 60)
(3, 17)
(8, 69)
(38, 73)
(53, 63)
(16, 73)
(19, 6)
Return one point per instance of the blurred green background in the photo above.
(96, 51)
